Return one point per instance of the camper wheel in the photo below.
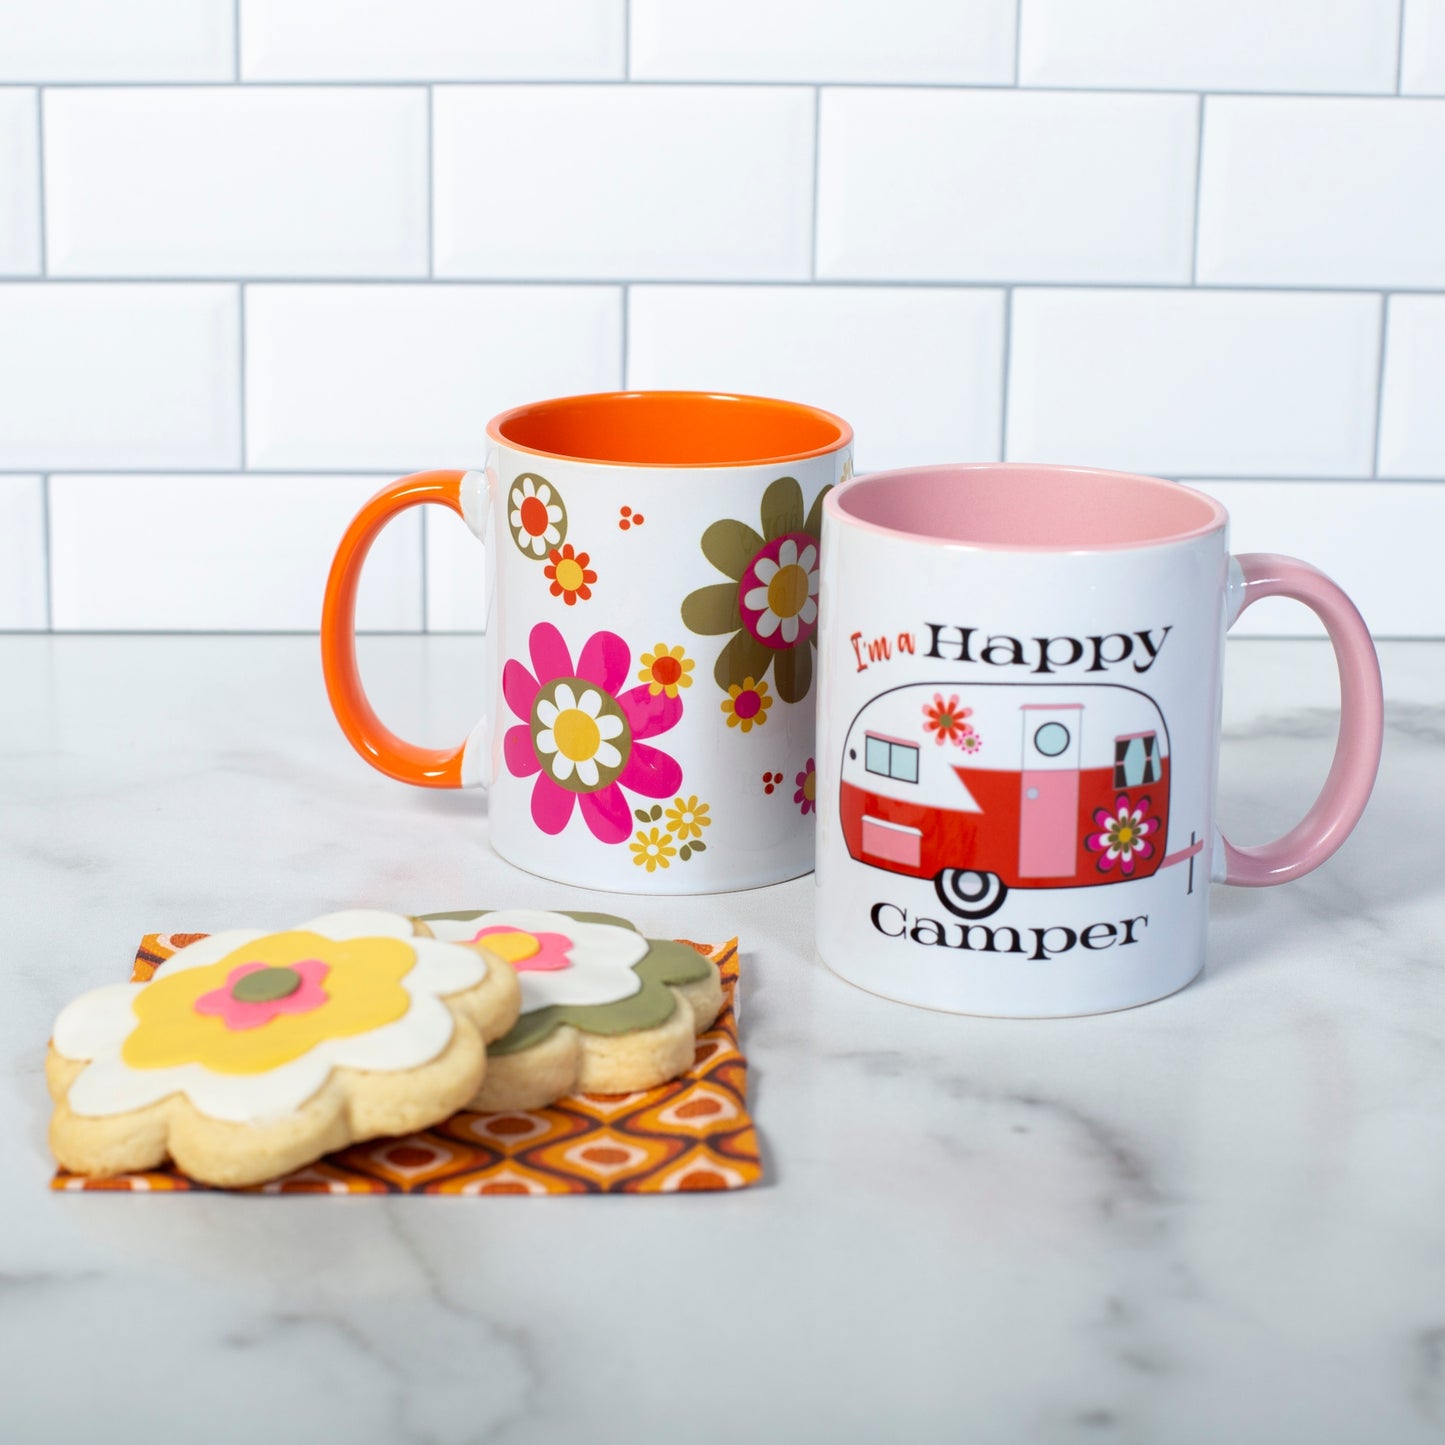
(969, 893)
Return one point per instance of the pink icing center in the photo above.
(237, 1013)
(553, 949)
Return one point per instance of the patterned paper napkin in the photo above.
(694, 1133)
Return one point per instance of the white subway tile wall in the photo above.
(19, 183)
(1412, 417)
(623, 181)
(915, 370)
(880, 42)
(1422, 59)
(1323, 192)
(1269, 45)
(219, 553)
(999, 185)
(23, 603)
(202, 181)
(428, 40)
(257, 256)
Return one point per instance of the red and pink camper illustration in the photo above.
(991, 786)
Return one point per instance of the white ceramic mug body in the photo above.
(1017, 754)
(649, 728)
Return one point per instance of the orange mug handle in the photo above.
(427, 767)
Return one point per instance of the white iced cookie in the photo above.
(250, 1054)
(604, 1010)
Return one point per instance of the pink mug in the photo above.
(1018, 734)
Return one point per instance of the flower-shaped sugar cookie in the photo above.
(250, 1054)
(604, 1010)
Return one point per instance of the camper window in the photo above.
(1136, 760)
(889, 759)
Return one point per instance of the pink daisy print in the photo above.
(582, 737)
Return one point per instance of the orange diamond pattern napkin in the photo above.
(692, 1134)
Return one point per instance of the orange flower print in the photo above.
(569, 574)
(945, 720)
(665, 669)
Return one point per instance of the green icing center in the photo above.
(266, 985)
(665, 963)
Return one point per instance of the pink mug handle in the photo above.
(1362, 723)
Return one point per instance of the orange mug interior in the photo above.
(671, 429)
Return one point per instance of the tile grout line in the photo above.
(1198, 190)
(1400, 50)
(1018, 39)
(40, 179)
(1008, 329)
(1380, 385)
(422, 533)
(842, 283)
(236, 40)
(627, 39)
(645, 83)
(817, 166)
(626, 333)
(431, 188)
(241, 367)
(49, 552)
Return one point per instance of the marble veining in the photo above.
(1218, 1217)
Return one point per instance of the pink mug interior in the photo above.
(1024, 507)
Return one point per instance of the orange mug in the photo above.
(652, 619)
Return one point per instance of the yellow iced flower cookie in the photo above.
(250, 1054)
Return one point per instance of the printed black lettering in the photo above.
(1014, 652)
(1129, 928)
(1107, 935)
(990, 935)
(876, 915)
(1041, 947)
(1101, 663)
(1076, 651)
(1151, 647)
(962, 640)
(928, 930)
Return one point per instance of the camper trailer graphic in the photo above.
(985, 787)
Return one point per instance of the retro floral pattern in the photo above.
(1123, 835)
(665, 669)
(536, 516)
(747, 704)
(652, 846)
(768, 607)
(582, 737)
(947, 721)
(652, 849)
(806, 794)
(570, 574)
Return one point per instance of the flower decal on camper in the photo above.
(768, 608)
(947, 721)
(583, 737)
(536, 516)
(1123, 835)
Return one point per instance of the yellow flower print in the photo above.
(359, 989)
(652, 849)
(687, 817)
(665, 669)
(747, 706)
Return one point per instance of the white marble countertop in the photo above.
(1217, 1218)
